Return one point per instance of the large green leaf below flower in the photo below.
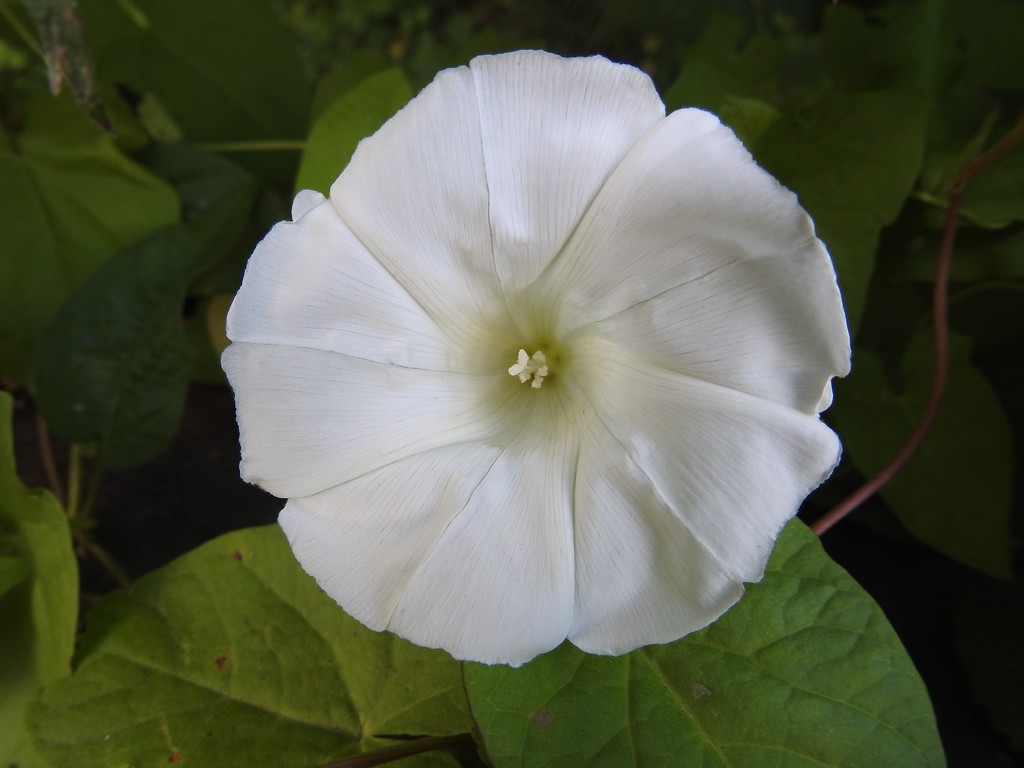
(232, 656)
(38, 598)
(803, 671)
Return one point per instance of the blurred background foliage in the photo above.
(147, 145)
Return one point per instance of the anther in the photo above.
(530, 367)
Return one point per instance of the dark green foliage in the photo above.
(113, 367)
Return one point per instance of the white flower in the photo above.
(546, 364)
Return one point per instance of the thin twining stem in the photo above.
(104, 558)
(46, 457)
(74, 481)
(940, 321)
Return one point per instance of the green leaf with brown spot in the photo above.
(232, 656)
(803, 671)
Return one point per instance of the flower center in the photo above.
(529, 367)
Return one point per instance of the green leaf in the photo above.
(993, 56)
(737, 81)
(990, 634)
(12, 59)
(977, 108)
(232, 656)
(225, 276)
(852, 159)
(156, 121)
(357, 114)
(749, 118)
(13, 570)
(224, 71)
(995, 197)
(69, 200)
(114, 366)
(852, 149)
(980, 255)
(954, 493)
(720, 64)
(352, 68)
(803, 671)
(907, 46)
(39, 609)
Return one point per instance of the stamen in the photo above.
(527, 367)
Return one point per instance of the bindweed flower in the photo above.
(546, 364)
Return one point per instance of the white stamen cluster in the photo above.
(527, 367)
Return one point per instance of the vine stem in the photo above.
(104, 558)
(414, 747)
(940, 320)
(74, 482)
(46, 456)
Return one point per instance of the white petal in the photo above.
(681, 500)
(415, 194)
(305, 200)
(553, 130)
(467, 548)
(698, 260)
(642, 576)
(312, 284)
(310, 420)
(366, 539)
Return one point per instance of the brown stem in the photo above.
(939, 377)
(989, 156)
(104, 558)
(414, 747)
(46, 456)
(941, 324)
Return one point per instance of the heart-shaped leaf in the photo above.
(803, 671)
(69, 200)
(232, 656)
